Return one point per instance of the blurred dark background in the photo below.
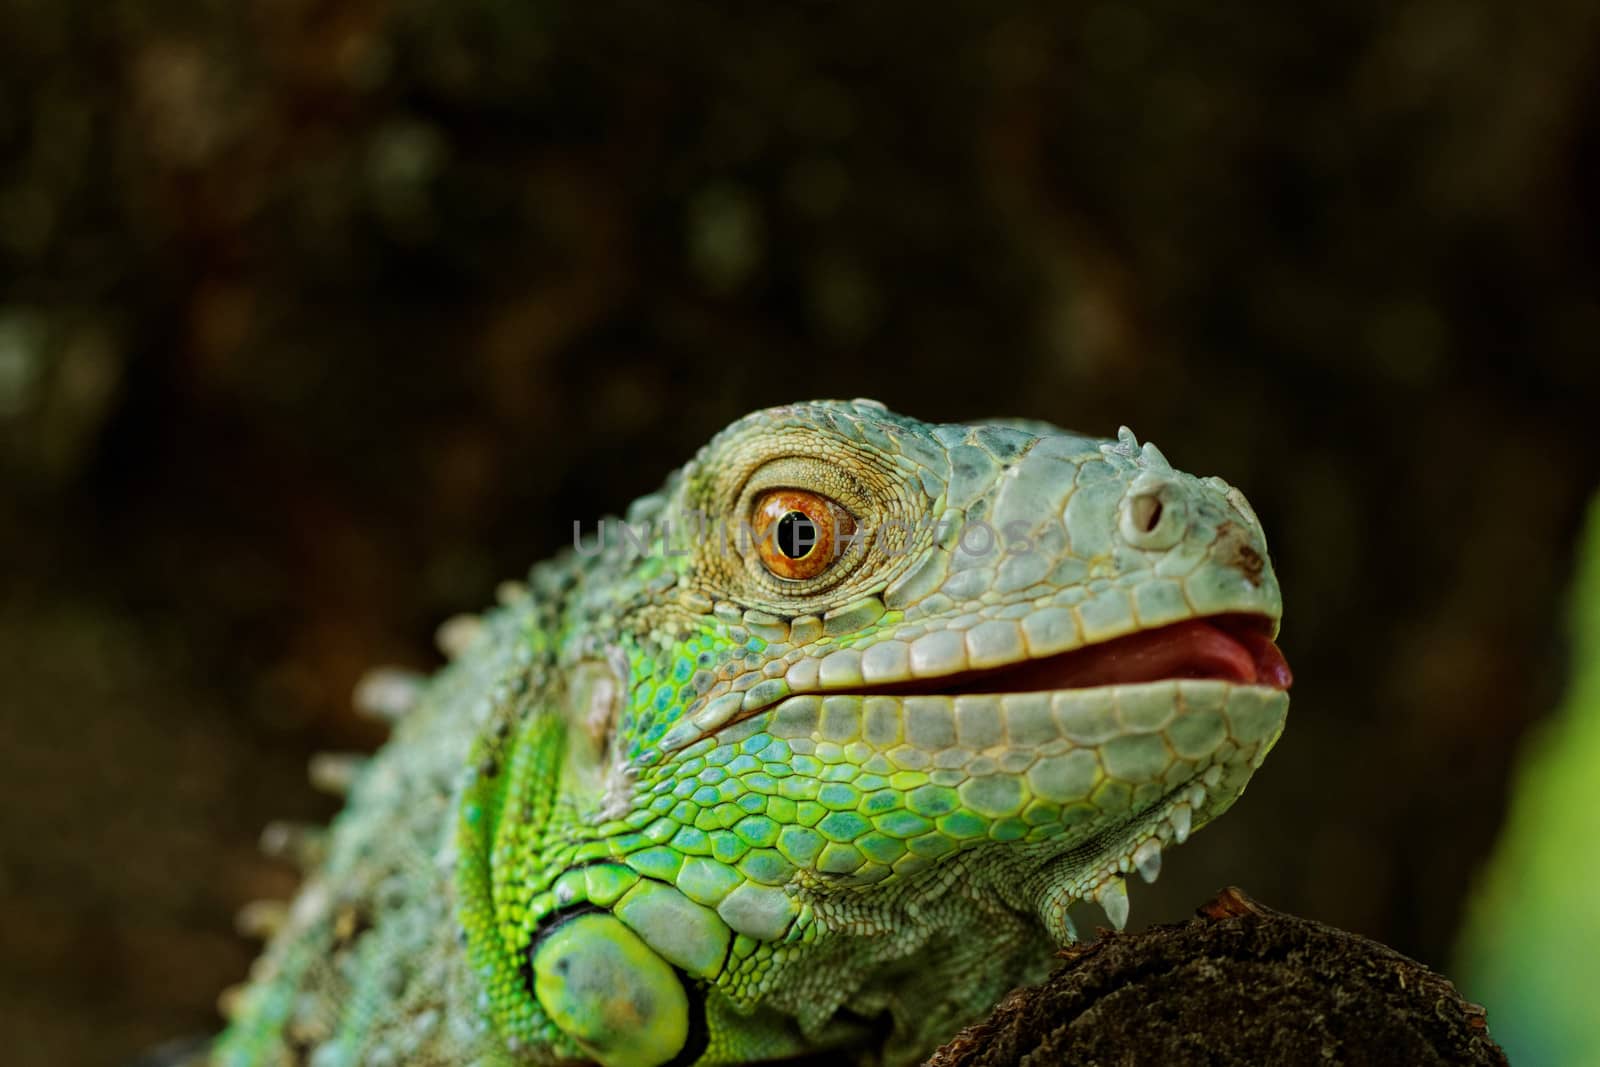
(319, 317)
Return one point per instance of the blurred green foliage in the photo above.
(1531, 945)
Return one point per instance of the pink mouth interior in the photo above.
(1229, 648)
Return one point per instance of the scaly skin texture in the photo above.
(669, 807)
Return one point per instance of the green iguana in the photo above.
(812, 752)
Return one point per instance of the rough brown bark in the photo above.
(1239, 983)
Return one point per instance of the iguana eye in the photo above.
(799, 532)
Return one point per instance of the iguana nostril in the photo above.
(1153, 514)
(1146, 512)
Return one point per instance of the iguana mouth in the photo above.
(1234, 648)
(1228, 648)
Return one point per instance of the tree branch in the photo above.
(1239, 983)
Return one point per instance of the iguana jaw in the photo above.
(1118, 749)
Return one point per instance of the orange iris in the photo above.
(799, 532)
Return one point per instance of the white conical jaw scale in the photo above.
(1113, 897)
(1180, 820)
(1147, 858)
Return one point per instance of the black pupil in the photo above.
(797, 535)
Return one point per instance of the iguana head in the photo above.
(856, 697)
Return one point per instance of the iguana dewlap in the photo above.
(813, 755)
